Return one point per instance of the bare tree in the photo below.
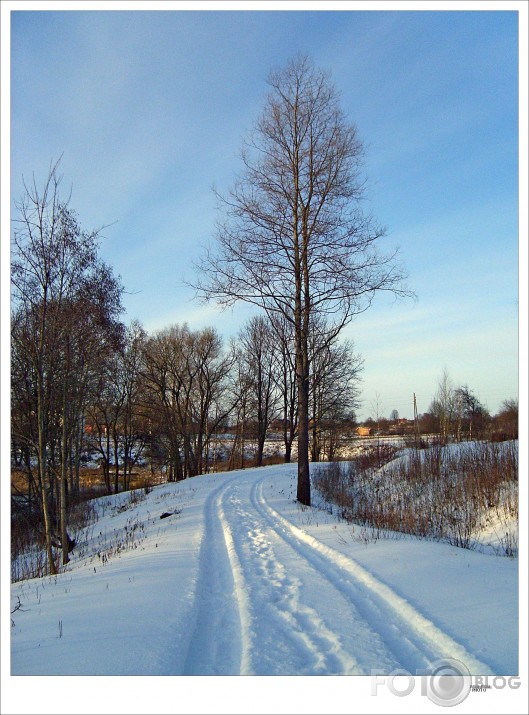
(210, 404)
(66, 303)
(444, 405)
(258, 352)
(285, 376)
(132, 425)
(470, 410)
(240, 390)
(295, 240)
(100, 414)
(376, 409)
(162, 383)
(185, 375)
(37, 241)
(104, 412)
(506, 421)
(334, 388)
(118, 423)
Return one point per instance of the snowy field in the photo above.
(239, 579)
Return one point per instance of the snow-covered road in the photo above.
(242, 580)
(279, 601)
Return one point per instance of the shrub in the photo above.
(439, 492)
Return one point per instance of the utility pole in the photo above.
(416, 423)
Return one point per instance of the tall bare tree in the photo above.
(334, 390)
(240, 392)
(295, 240)
(66, 304)
(257, 341)
(285, 375)
(133, 432)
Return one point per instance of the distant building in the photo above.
(363, 431)
(401, 426)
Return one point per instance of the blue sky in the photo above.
(149, 110)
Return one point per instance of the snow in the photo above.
(241, 579)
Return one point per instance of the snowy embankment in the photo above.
(239, 579)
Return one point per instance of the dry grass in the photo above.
(28, 555)
(91, 480)
(440, 493)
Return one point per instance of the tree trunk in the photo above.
(106, 463)
(116, 461)
(287, 442)
(242, 436)
(42, 451)
(176, 460)
(315, 440)
(260, 448)
(64, 477)
(77, 460)
(233, 453)
(303, 489)
(46, 516)
(126, 464)
(65, 458)
(63, 512)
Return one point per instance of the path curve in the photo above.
(272, 599)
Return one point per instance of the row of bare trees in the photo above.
(295, 241)
(84, 384)
(266, 373)
(457, 413)
(191, 391)
(186, 395)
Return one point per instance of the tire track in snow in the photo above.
(218, 644)
(415, 641)
(290, 634)
(241, 590)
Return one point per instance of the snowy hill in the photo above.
(240, 579)
(237, 578)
